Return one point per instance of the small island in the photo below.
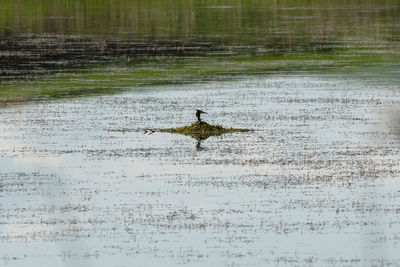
(201, 130)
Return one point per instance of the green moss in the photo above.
(202, 131)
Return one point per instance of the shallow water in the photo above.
(83, 183)
(315, 183)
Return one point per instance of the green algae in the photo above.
(201, 131)
(57, 49)
(125, 76)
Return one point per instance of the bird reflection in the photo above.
(198, 146)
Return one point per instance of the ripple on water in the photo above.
(315, 183)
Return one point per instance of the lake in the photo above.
(88, 179)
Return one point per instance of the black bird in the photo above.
(198, 112)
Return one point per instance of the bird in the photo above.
(198, 113)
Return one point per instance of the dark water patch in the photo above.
(26, 57)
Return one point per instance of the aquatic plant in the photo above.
(203, 130)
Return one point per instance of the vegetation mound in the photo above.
(203, 130)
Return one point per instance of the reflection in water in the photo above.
(259, 22)
(68, 34)
(198, 146)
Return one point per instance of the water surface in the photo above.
(82, 183)
(315, 183)
(155, 42)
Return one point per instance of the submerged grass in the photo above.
(201, 131)
(123, 75)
